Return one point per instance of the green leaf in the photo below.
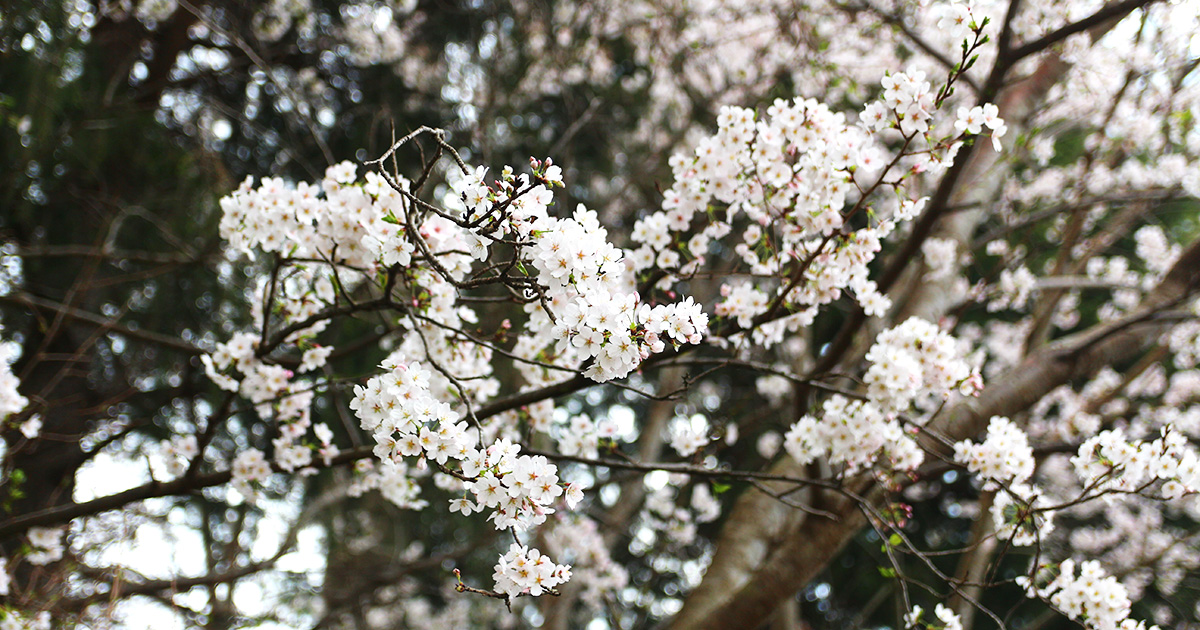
(887, 572)
(719, 488)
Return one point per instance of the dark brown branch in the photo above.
(1109, 12)
(107, 323)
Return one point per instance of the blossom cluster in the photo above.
(358, 224)
(406, 420)
(250, 466)
(742, 303)
(236, 366)
(325, 221)
(851, 432)
(1005, 456)
(615, 333)
(15, 620)
(11, 401)
(1004, 460)
(956, 19)
(178, 452)
(790, 175)
(369, 224)
(254, 379)
(520, 488)
(908, 104)
(791, 170)
(596, 317)
(973, 120)
(1021, 513)
(354, 224)
(397, 482)
(46, 545)
(513, 204)
(602, 322)
(1184, 342)
(1110, 462)
(906, 96)
(915, 361)
(946, 619)
(1156, 250)
(1092, 596)
(524, 570)
(395, 407)
(910, 364)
